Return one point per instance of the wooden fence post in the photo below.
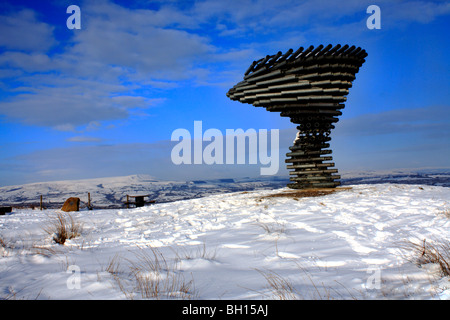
(41, 203)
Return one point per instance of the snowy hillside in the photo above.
(361, 242)
(433, 177)
(111, 192)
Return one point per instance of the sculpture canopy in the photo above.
(310, 87)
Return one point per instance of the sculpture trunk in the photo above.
(308, 86)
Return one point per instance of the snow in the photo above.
(351, 244)
(110, 193)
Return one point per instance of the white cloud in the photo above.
(416, 11)
(22, 31)
(95, 76)
(64, 107)
(117, 51)
(432, 122)
(28, 62)
(142, 44)
(83, 139)
(149, 53)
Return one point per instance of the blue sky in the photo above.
(104, 100)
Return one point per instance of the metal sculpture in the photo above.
(308, 86)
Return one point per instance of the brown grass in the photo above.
(63, 227)
(156, 279)
(199, 253)
(303, 193)
(2, 243)
(281, 288)
(437, 252)
(445, 212)
(114, 268)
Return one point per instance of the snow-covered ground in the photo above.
(351, 244)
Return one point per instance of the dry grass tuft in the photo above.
(273, 228)
(156, 279)
(437, 252)
(199, 253)
(63, 227)
(113, 266)
(3, 243)
(445, 212)
(281, 288)
(4, 246)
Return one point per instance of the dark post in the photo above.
(140, 202)
(310, 88)
(40, 206)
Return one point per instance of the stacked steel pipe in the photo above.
(308, 86)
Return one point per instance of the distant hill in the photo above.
(432, 177)
(111, 192)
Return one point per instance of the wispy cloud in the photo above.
(23, 31)
(83, 139)
(431, 121)
(62, 106)
(402, 12)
